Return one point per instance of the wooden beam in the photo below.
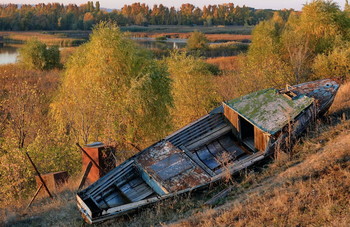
(39, 175)
(86, 173)
(218, 196)
(196, 160)
(36, 193)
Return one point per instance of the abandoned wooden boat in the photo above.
(230, 138)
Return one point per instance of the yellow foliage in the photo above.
(193, 88)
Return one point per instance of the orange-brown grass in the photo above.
(225, 63)
(227, 37)
(11, 74)
(341, 103)
(210, 37)
(48, 39)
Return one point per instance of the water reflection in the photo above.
(151, 43)
(8, 54)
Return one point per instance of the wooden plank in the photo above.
(175, 169)
(232, 116)
(165, 163)
(122, 194)
(218, 196)
(156, 186)
(35, 195)
(196, 160)
(259, 139)
(86, 173)
(113, 176)
(196, 132)
(204, 125)
(206, 138)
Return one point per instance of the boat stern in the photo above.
(85, 211)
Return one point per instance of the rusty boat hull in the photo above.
(230, 138)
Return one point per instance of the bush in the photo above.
(197, 41)
(36, 55)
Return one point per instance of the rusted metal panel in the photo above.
(52, 180)
(232, 116)
(171, 167)
(94, 174)
(103, 156)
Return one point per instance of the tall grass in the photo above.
(48, 39)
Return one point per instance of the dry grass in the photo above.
(341, 105)
(49, 39)
(60, 211)
(210, 37)
(227, 37)
(225, 63)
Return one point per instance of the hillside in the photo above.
(309, 186)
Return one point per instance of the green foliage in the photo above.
(193, 88)
(288, 51)
(35, 55)
(197, 41)
(56, 16)
(336, 63)
(113, 91)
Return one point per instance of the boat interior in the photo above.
(213, 142)
(208, 144)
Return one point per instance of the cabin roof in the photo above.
(268, 109)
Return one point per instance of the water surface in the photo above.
(8, 55)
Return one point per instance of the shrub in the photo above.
(197, 41)
(36, 55)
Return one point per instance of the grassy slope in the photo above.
(314, 192)
(311, 186)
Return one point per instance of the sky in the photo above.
(118, 4)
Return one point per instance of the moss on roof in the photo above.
(269, 110)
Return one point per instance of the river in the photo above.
(9, 54)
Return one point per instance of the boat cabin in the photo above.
(258, 116)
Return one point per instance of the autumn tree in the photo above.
(113, 91)
(335, 63)
(192, 89)
(285, 51)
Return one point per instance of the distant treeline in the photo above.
(55, 16)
